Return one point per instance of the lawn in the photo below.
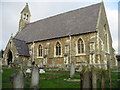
(50, 79)
(55, 79)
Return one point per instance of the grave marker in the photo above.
(18, 80)
(72, 69)
(29, 64)
(94, 78)
(86, 80)
(35, 77)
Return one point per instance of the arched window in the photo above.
(58, 49)
(40, 51)
(106, 42)
(80, 45)
(47, 48)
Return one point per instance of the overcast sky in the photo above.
(10, 15)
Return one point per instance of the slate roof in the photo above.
(74, 22)
(22, 47)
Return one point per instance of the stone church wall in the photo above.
(102, 22)
(59, 61)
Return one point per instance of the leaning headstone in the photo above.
(72, 69)
(24, 68)
(35, 77)
(18, 81)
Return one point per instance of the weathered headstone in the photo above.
(29, 64)
(86, 83)
(18, 80)
(1, 71)
(94, 78)
(35, 77)
(16, 63)
(53, 64)
(24, 68)
(72, 69)
(102, 80)
(0, 62)
(65, 66)
(40, 65)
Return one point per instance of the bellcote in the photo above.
(25, 17)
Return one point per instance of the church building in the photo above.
(79, 36)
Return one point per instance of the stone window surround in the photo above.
(78, 54)
(38, 51)
(55, 49)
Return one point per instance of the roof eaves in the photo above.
(61, 37)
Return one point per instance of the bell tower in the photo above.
(25, 17)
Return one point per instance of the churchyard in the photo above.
(58, 79)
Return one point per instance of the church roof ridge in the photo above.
(65, 12)
(79, 21)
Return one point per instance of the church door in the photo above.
(10, 56)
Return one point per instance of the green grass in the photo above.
(55, 79)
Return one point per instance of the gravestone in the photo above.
(102, 80)
(24, 68)
(1, 71)
(86, 83)
(72, 69)
(94, 78)
(18, 80)
(0, 62)
(40, 65)
(53, 64)
(65, 67)
(35, 77)
(29, 64)
(16, 63)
